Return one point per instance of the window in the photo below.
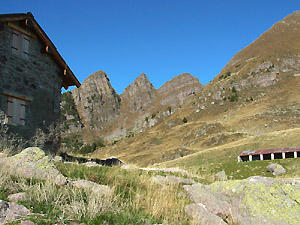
(15, 111)
(20, 44)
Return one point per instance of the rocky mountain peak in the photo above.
(96, 100)
(139, 95)
(179, 81)
(179, 88)
(139, 85)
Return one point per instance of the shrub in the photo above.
(91, 148)
(11, 143)
(233, 90)
(184, 120)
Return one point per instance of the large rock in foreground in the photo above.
(10, 212)
(256, 200)
(32, 163)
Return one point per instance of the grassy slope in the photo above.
(135, 200)
(223, 126)
(210, 161)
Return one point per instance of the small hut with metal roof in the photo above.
(269, 154)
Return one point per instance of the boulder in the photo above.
(276, 169)
(172, 180)
(58, 158)
(220, 176)
(96, 188)
(22, 196)
(255, 200)
(27, 222)
(11, 212)
(200, 195)
(201, 216)
(32, 163)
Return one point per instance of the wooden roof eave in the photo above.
(55, 53)
(72, 80)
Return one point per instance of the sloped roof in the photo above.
(269, 151)
(69, 79)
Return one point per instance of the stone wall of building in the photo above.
(36, 79)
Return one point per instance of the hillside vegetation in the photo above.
(255, 96)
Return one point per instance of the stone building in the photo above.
(32, 73)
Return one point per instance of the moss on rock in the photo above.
(256, 200)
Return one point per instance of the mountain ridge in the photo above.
(138, 107)
(256, 93)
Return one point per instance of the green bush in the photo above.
(184, 120)
(91, 148)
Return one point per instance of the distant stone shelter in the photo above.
(269, 154)
(32, 73)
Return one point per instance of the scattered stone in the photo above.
(91, 164)
(11, 212)
(60, 180)
(2, 155)
(58, 158)
(220, 176)
(76, 223)
(28, 222)
(97, 188)
(172, 180)
(171, 170)
(22, 196)
(127, 167)
(276, 169)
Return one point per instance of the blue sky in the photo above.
(161, 38)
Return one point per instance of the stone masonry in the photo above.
(36, 80)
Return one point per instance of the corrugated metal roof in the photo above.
(270, 150)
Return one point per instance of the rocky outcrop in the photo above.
(97, 101)
(174, 92)
(275, 169)
(256, 200)
(32, 163)
(11, 212)
(101, 108)
(139, 96)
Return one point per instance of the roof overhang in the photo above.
(269, 151)
(68, 77)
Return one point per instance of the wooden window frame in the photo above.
(20, 43)
(15, 114)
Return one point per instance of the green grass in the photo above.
(207, 163)
(135, 192)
